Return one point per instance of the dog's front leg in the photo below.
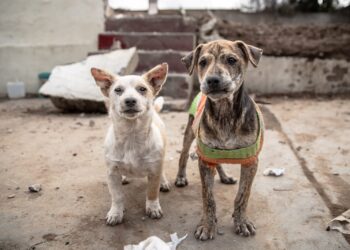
(207, 227)
(242, 225)
(116, 212)
(181, 179)
(153, 209)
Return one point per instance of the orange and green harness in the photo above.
(213, 156)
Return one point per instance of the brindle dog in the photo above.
(229, 121)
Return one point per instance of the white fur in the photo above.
(158, 103)
(134, 147)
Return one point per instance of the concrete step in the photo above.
(148, 41)
(148, 59)
(171, 104)
(146, 23)
(177, 86)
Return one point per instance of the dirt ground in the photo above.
(63, 152)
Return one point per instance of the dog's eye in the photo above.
(118, 90)
(231, 60)
(203, 63)
(142, 89)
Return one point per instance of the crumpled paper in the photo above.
(341, 223)
(274, 171)
(155, 243)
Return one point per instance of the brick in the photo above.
(151, 24)
(148, 41)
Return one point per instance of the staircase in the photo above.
(158, 38)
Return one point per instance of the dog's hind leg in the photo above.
(153, 209)
(181, 179)
(116, 212)
(223, 177)
(207, 227)
(242, 225)
(164, 184)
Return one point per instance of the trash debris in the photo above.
(193, 156)
(340, 223)
(273, 172)
(34, 188)
(72, 88)
(155, 243)
(11, 196)
(16, 90)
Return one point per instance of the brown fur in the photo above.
(229, 121)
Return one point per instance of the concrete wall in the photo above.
(290, 75)
(39, 34)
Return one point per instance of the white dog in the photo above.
(135, 142)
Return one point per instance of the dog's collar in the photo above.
(212, 156)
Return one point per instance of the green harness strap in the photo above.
(240, 153)
(193, 108)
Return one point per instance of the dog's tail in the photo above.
(158, 103)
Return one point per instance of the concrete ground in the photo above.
(63, 152)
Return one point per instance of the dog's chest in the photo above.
(224, 140)
(135, 154)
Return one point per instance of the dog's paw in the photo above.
(164, 187)
(181, 182)
(125, 180)
(228, 180)
(205, 232)
(244, 227)
(153, 209)
(114, 216)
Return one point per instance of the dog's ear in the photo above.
(253, 53)
(156, 77)
(191, 59)
(103, 79)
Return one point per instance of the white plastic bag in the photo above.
(155, 243)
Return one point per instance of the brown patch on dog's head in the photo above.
(156, 77)
(103, 79)
(221, 65)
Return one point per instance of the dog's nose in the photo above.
(130, 102)
(213, 81)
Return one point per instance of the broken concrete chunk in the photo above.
(34, 188)
(72, 88)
